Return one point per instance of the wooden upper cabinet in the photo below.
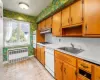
(39, 26)
(76, 13)
(66, 17)
(43, 25)
(69, 72)
(92, 17)
(96, 75)
(58, 69)
(39, 37)
(43, 55)
(56, 24)
(49, 22)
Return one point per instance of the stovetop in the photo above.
(45, 42)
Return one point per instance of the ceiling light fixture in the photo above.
(23, 5)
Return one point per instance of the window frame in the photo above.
(18, 43)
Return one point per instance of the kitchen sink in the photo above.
(71, 50)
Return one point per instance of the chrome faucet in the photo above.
(72, 45)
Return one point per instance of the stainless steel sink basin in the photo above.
(72, 50)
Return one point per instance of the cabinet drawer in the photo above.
(66, 58)
(84, 65)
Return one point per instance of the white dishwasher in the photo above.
(49, 60)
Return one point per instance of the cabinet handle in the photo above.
(71, 19)
(68, 20)
(59, 29)
(61, 67)
(86, 27)
(98, 77)
(65, 70)
(82, 18)
(84, 66)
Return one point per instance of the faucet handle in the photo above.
(80, 47)
(72, 45)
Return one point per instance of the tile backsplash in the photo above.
(92, 44)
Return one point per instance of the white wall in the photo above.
(92, 44)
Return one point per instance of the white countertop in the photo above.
(86, 55)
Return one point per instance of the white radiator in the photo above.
(17, 54)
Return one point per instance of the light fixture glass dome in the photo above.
(23, 5)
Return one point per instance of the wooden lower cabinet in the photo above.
(58, 69)
(63, 70)
(84, 70)
(38, 52)
(96, 73)
(43, 55)
(69, 72)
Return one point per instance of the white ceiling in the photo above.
(36, 6)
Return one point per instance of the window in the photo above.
(16, 32)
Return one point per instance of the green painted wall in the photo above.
(52, 8)
(22, 17)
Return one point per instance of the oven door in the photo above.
(83, 75)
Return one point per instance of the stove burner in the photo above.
(45, 42)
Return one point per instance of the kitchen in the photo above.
(62, 42)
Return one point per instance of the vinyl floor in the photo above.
(30, 69)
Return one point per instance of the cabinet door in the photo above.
(66, 17)
(76, 13)
(39, 25)
(69, 72)
(38, 53)
(43, 55)
(43, 25)
(39, 37)
(56, 25)
(96, 73)
(92, 17)
(58, 69)
(49, 22)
